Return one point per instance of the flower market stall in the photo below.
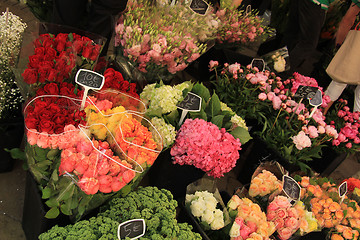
(134, 147)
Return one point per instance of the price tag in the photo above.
(191, 103)
(305, 92)
(291, 188)
(315, 101)
(133, 229)
(89, 80)
(259, 63)
(342, 190)
(199, 6)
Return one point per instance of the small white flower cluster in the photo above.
(203, 205)
(167, 131)
(279, 62)
(11, 31)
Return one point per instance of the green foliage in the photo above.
(95, 228)
(157, 207)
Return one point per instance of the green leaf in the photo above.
(66, 208)
(125, 190)
(202, 91)
(172, 118)
(55, 175)
(218, 120)
(52, 202)
(67, 192)
(16, 153)
(52, 154)
(46, 193)
(214, 107)
(52, 213)
(242, 134)
(200, 115)
(43, 164)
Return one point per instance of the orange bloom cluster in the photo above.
(136, 141)
(343, 232)
(264, 183)
(327, 212)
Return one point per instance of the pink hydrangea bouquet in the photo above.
(160, 41)
(205, 146)
(284, 216)
(290, 126)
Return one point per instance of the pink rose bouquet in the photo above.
(284, 216)
(250, 221)
(90, 155)
(205, 146)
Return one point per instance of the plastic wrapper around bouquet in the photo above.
(205, 208)
(102, 151)
(55, 53)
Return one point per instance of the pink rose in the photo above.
(281, 213)
(348, 145)
(291, 223)
(284, 233)
(279, 223)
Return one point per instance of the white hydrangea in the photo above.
(167, 131)
(198, 207)
(218, 221)
(208, 216)
(235, 119)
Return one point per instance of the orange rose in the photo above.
(336, 237)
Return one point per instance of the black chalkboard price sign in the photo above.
(291, 188)
(191, 103)
(316, 100)
(305, 92)
(90, 79)
(342, 189)
(132, 229)
(199, 6)
(259, 63)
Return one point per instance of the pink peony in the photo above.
(262, 96)
(313, 132)
(301, 140)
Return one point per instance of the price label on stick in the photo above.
(89, 80)
(342, 190)
(199, 6)
(132, 229)
(191, 103)
(291, 188)
(259, 63)
(305, 92)
(315, 101)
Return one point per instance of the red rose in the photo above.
(45, 114)
(50, 53)
(53, 73)
(40, 92)
(125, 85)
(87, 52)
(132, 87)
(60, 46)
(77, 46)
(59, 119)
(34, 61)
(58, 129)
(46, 126)
(39, 51)
(39, 106)
(31, 123)
(43, 74)
(51, 88)
(67, 92)
(54, 108)
(30, 76)
(48, 42)
(95, 52)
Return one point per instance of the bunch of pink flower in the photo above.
(55, 57)
(96, 166)
(239, 27)
(157, 39)
(250, 221)
(347, 124)
(205, 146)
(284, 216)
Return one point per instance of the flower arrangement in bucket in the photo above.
(291, 126)
(91, 155)
(160, 41)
